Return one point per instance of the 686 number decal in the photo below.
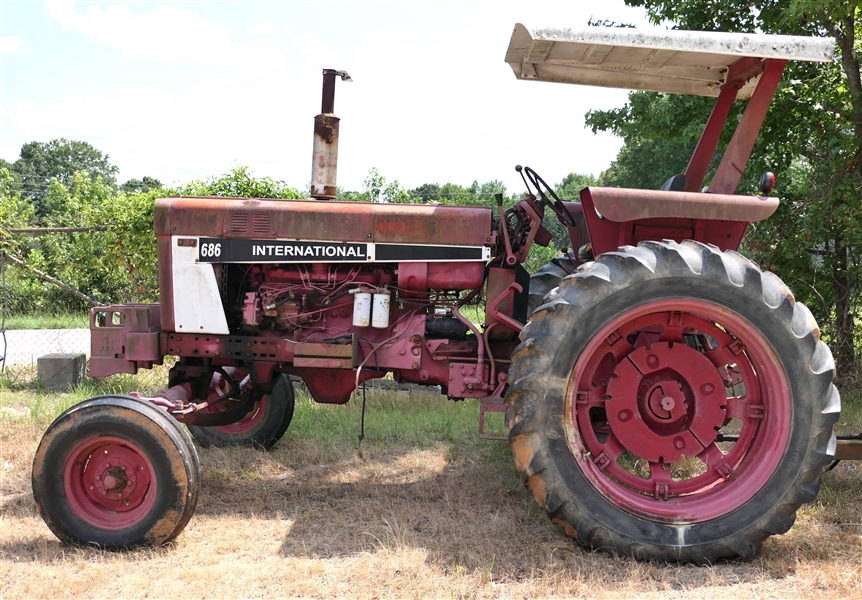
(210, 249)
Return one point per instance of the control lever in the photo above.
(511, 260)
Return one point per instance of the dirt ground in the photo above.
(398, 519)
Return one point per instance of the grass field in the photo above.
(421, 509)
(48, 321)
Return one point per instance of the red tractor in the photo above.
(666, 399)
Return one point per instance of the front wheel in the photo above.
(672, 402)
(262, 427)
(115, 472)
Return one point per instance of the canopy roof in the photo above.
(681, 62)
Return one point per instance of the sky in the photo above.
(186, 90)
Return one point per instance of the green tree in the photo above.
(59, 159)
(476, 194)
(140, 186)
(569, 189)
(375, 188)
(240, 183)
(427, 192)
(15, 212)
(812, 138)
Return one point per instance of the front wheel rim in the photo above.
(248, 423)
(649, 395)
(109, 482)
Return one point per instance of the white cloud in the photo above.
(262, 58)
(167, 34)
(190, 133)
(171, 34)
(311, 46)
(262, 29)
(10, 44)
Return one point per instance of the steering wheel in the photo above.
(557, 205)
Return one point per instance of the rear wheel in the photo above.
(672, 402)
(546, 279)
(262, 427)
(115, 472)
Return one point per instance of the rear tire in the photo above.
(630, 373)
(262, 427)
(546, 279)
(115, 472)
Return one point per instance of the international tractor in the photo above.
(665, 398)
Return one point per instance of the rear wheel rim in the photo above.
(109, 482)
(648, 396)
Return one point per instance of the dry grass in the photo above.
(423, 510)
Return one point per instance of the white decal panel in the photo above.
(197, 301)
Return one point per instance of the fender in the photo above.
(619, 217)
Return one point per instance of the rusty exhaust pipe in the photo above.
(324, 160)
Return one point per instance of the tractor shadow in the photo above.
(470, 512)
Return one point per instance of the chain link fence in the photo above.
(27, 336)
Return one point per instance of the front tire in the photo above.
(672, 402)
(115, 472)
(262, 427)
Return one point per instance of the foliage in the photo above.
(375, 188)
(59, 159)
(139, 186)
(239, 183)
(115, 265)
(15, 212)
(476, 194)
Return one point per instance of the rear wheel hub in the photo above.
(661, 402)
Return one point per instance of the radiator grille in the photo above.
(260, 224)
(238, 223)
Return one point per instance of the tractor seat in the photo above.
(674, 184)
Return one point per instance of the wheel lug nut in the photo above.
(707, 389)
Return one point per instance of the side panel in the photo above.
(197, 302)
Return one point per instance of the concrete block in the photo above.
(59, 372)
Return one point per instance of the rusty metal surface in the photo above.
(324, 159)
(675, 61)
(848, 450)
(619, 205)
(124, 338)
(314, 220)
(229, 347)
(325, 356)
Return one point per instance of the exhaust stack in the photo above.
(324, 160)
